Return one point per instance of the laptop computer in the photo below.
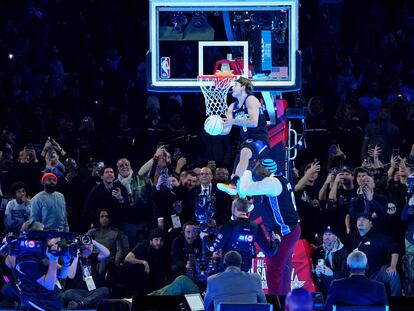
(195, 302)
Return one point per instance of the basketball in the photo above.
(214, 125)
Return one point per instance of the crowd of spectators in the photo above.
(85, 147)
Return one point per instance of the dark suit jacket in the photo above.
(356, 290)
(233, 286)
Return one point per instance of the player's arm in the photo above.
(229, 117)
(253, 107)
(270, 186)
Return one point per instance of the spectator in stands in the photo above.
(167, 204)
(407, 216)
(306, 195)
(340, 195)
(148, 265)
(357, 289)
(349, 131)
(370, 101)
(75, 187)
(109, 195)
(51, 152)
(299, 299)
(221, 200)
(382, 132)
(85, 285)
(17, 210)
(329, 260)
(189, 179)
(49, 206)
(137, 215)
(326, 186)
(337, 158)
(397, 195)
(184, 199)
(233, 285)
(382, 253)
(160, 162)
(27, 169)
(221, 174)
(110, 237)
(185, 249)
(369, 203)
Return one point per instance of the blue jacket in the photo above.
(233, 286)
(356, 290)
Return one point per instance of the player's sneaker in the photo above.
(230, 189)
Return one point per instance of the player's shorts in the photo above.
(258, 147)
(259, 150)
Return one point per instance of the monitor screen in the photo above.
(195, 302)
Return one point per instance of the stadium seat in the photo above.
(244, 306)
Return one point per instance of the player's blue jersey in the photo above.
(251, 133)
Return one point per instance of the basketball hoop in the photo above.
(215, 89)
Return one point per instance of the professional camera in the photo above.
(35, 243)
(204, 266)
(205, 209)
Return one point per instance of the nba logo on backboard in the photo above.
(165, 68)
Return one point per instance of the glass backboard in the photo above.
(252, 38)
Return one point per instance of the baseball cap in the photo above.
(360, 169)
(346, 169)
(157, 233)
(329, 229)
(364, 215)
(46, 175)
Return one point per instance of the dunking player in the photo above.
(247, 113)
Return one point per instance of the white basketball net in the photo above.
(215, 93)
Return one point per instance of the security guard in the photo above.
(240, 234)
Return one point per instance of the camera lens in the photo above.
(86, 239)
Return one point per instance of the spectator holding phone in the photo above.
(110, 195)
(382, 132)
(339, 199)
(370, 203)
(306, 193)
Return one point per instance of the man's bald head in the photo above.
(299, 299)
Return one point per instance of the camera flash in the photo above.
(11, 56)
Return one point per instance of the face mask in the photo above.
(50, 188)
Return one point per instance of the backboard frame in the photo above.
(154, 83)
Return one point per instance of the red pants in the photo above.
(279, 266)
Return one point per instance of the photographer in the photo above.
(37, 275)
(84, 287)
(184, 250)
(240, 235)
